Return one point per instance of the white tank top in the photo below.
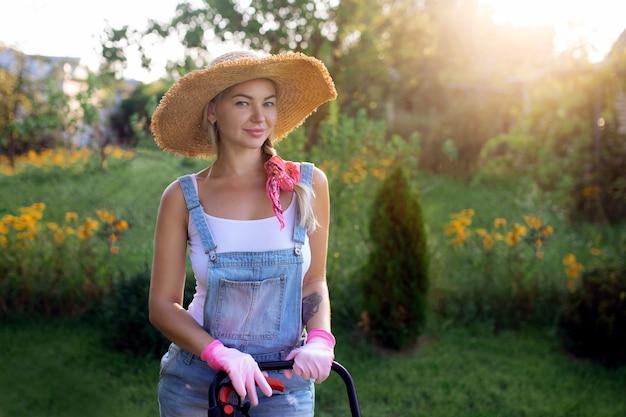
(239, 235)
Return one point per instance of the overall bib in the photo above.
(253, 304)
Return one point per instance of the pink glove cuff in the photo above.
(321, 334)
(208, 356)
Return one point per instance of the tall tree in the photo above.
(357, 40)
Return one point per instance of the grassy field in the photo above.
(60, 369)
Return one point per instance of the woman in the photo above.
(261, 292)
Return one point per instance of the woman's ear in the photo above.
(210, 112)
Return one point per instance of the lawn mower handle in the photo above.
(280, 365)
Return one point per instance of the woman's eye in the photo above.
(271, 104)
(240, 102)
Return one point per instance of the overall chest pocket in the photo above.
(249, 310)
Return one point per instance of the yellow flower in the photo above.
(83, 233)
(3, 241)
(59, 236)
(53, 226)
(4, 229)
(547, 230)
(463, 217)
(105, 216)
(91, 224)
(498, 236)
(455, 227)
(468, 212)
(482, 232)
(590, 191)
(512, 239)
(70, 216)
(9, 219)
(538, 243)
(378, 173)
(23, 222)
(574, 272)
(499, 222)
(121, 225)
(569, 259)
(488, 242)
(533, 221)
(112, 237)
(70, 231)
(29, 216)
(519, 230)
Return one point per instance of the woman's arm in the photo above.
(315, 297)
(168, 275)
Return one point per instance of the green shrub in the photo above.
(395, 278)
(593, 320)
(61, 268)
(126, 316)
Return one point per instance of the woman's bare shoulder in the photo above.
(173, 201)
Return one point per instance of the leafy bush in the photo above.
(396, 276)
(356, 156)
(57, 268)
(126, 317)
(593, 320)
(497, 271)
(506, 157)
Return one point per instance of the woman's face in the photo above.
(245, 113)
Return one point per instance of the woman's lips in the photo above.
(256, 132)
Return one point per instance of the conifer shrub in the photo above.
(395, 278)
(593, 320)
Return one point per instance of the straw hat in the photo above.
(302, 83)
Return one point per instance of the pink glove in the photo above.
(315, 358)
(242, 369)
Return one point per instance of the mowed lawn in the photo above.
(53, 367)
(59, 368)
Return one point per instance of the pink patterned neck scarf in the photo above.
(281, 175)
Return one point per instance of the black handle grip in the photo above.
(280, 365)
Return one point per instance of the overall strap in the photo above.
(299, 232)
(196, 213)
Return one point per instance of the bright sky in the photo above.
(597, 22)
(51, 27)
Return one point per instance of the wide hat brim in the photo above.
(302, 82)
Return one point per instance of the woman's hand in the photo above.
(241, 367)
(314, 360)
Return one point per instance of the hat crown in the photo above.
(233, 56)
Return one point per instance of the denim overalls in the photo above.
(253, 304)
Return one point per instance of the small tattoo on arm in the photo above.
(310, 306)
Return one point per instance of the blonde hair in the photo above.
(305, 194)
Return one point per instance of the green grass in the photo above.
(59, 368)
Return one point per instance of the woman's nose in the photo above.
(258, 113)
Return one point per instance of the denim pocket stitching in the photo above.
(171, 358)
(252, 287)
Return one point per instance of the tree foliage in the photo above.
(396, 282)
